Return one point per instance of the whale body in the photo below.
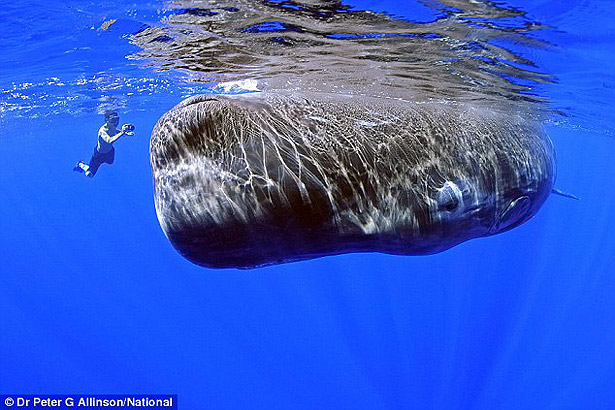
(271, 177)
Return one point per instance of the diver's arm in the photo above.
(111, 139)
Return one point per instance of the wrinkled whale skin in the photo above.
(264, 178)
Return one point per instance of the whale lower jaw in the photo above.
(231, 249)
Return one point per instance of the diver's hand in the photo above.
(128, 129)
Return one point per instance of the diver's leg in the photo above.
(110, 156)
(95, 162)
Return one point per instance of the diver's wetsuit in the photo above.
(103, 152)
(100, 157)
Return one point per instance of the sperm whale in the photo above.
(271, 177)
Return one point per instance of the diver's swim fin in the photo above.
(562, 193)
(80, 167)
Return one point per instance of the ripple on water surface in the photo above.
(447, 50)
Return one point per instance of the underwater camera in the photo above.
(130, 127)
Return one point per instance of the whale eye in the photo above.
(449, 197)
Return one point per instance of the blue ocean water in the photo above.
(93, 298)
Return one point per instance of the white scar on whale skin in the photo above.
(262, 178)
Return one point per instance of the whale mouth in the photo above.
(515, 214)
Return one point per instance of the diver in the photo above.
(104, 151)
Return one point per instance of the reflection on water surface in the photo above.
(459, 55)
(454, 50)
